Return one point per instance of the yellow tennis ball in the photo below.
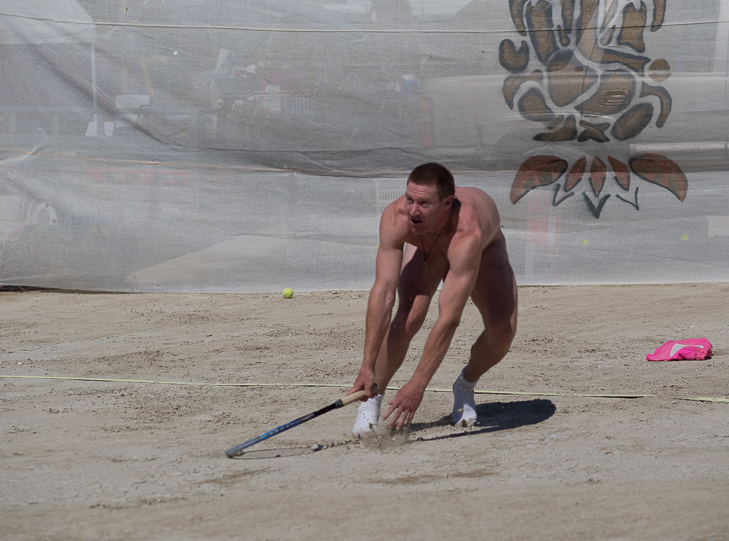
(288, 293)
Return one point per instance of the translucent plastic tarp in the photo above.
(251, 145)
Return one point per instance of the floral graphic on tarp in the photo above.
(584, 77)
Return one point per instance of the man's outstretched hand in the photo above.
(403, 406)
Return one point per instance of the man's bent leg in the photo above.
(495, 296)
(415, 291)
(406, 323)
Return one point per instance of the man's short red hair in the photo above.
(434, 174)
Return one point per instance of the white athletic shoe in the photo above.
(368, 413)
(464, 404)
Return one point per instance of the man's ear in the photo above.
(448, 202)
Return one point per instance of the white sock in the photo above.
(368, 414)
(464, 404)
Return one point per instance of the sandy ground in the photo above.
(117, 410)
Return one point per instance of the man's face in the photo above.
(425, 208)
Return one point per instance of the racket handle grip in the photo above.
(359, 395)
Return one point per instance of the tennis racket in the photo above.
(238, 449)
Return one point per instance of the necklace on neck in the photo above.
(426, 253)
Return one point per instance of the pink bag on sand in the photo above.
(691, 349)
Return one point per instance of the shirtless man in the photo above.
(435, 232)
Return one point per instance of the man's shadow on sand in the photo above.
(495, 416)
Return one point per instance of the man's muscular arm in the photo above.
(381, 299)
(464, 256)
